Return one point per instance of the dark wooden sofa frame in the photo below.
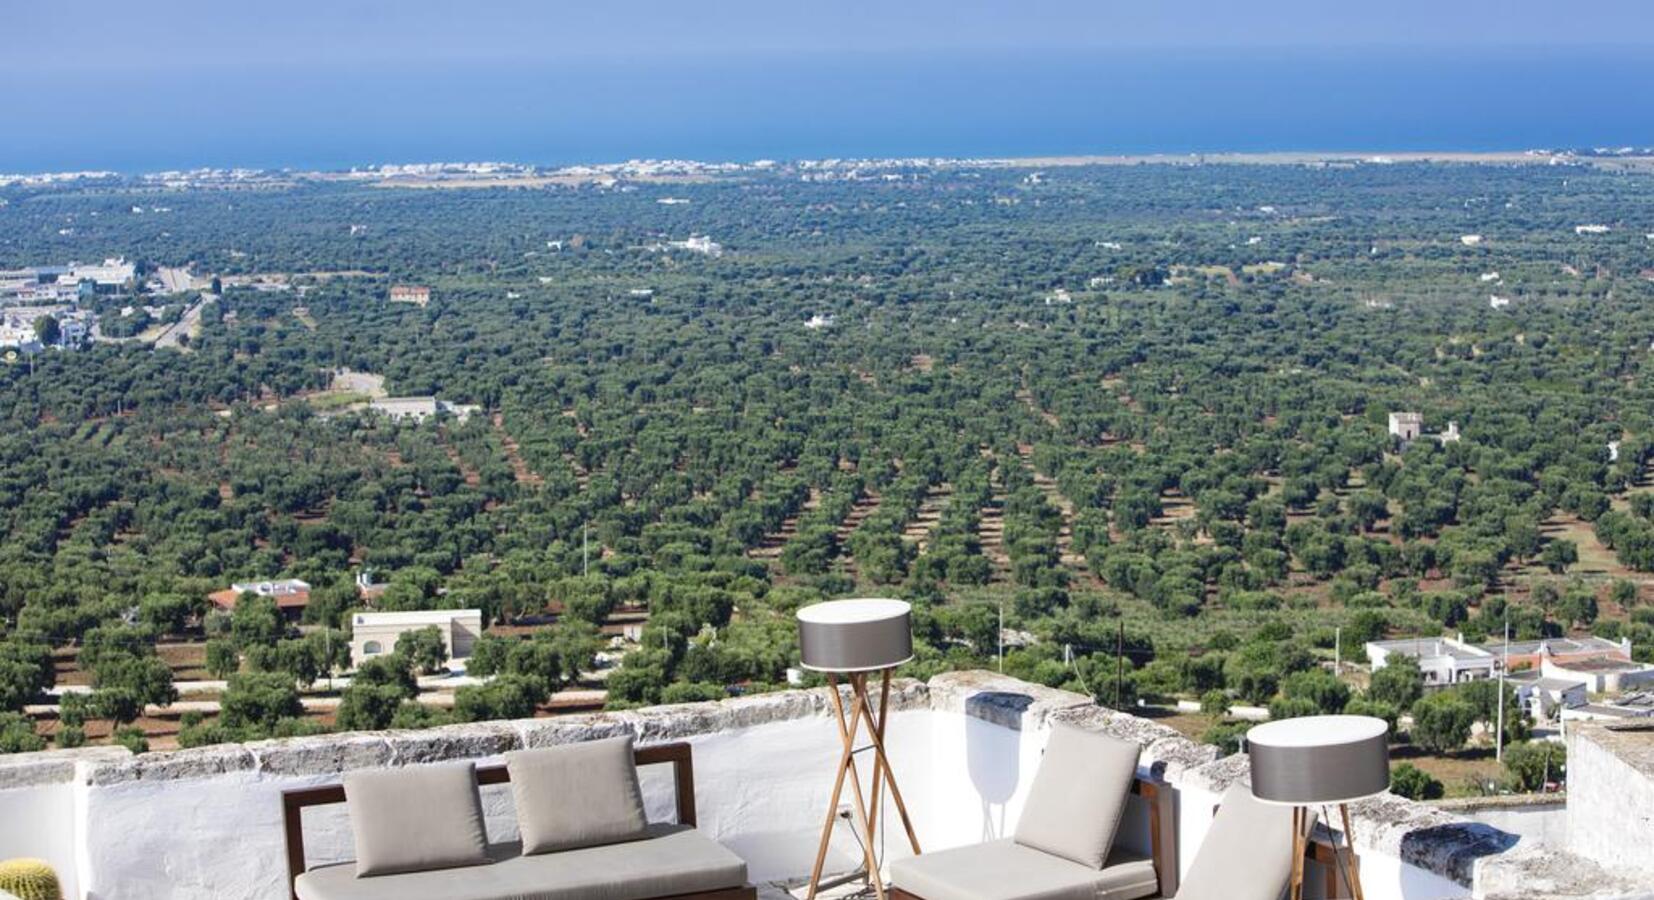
(679, 755)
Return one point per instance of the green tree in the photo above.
(132, 738)
(1407, 780)
(222, 659)
(1530, 766)
(256, 621)
(25, 671)
(1558, 555)
(368, 707)
(1399, 683)
(1623, 593)
(1215, 704)
(259, 701)
(298, 658)
(47, 330)
(505, 697)
(1319, 687)
(423, 649)
(1441, 722)
(17, 734)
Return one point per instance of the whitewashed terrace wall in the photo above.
(206, 823)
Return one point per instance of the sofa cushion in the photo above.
(1078, 795)
(416, 818)
(1006, 870)
(577, 795)
(1246, 854)
(670, 859)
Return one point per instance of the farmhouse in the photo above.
(291, 595)
(1442, 661)
(410, 293)
(375, 633)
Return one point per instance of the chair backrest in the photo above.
(293, 803)
(1247, 852)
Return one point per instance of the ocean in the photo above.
(173, 115)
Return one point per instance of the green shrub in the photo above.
(1407, 780)
(132, 738)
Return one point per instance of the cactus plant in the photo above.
(29, 879)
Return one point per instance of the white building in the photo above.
(1442, 661)
(1600, 675)
(1494, 301)
(419, 408)
(699, 243)
(111, 274)
(1545, 698)
(1406, 425)
(375, 633)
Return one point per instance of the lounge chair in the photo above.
(592, 843)
(1064, 846)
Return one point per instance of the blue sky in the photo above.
(200, 34)
(137, 86)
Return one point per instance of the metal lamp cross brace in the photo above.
(866, 811)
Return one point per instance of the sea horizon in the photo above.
(918, 105)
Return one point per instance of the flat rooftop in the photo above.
(1602, 664)
(1556, 646)
(1422, 647)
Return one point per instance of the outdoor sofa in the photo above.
(419, 832)
(1064, 846)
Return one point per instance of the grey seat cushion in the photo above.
(577, 795)
(416, 818)
(1078, 795)
(1007, 870)
(1246, 854)
(672, 859)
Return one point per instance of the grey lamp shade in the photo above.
(1319, 759)
(855, 635)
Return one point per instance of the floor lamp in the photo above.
(1320, 761)
(852, 640)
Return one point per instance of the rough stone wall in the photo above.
(206, 822)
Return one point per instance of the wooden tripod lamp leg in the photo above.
(881, 762)
(877, 720)
(838, 784)
(1354, 873)
(1299, 846)
(848, 727)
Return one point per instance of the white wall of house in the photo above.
(375, 633)
(206, 823)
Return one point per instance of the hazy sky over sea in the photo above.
(144, 85)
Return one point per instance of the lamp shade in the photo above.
(1319, 759)
(855, 635)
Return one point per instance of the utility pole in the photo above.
(585, 551)
(1504, 663)
(1337, 650)
(1119, 663)
(1002, 638)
